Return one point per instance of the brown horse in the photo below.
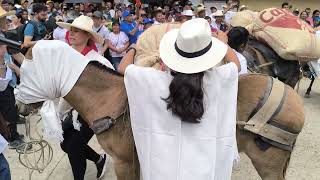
(92, 99)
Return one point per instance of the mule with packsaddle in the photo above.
(270, 115)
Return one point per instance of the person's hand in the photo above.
(47, 37)
(139, 20)
(13, 67)
(222, 37)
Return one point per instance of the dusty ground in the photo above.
(304, 165)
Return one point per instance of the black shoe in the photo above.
(101, 166)
(19, 145)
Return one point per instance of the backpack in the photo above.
(18, 34)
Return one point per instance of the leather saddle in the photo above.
(283, 69)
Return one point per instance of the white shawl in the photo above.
(169, 149)
(51, 74)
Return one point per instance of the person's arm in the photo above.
(18, 57)
(15, 68)
(133, 32)
(127, 60)
(105, 46)
(230, 55)
(111, 46)
(28, 35)
(126, 45)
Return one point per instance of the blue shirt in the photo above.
(127, 27)
(29, 30)
(8, 60)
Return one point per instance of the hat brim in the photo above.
(176, 62)
(94, 35)
(10, 13)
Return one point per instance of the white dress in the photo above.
(169, 149)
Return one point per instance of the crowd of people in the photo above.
(105, 32)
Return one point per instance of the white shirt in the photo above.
(5, 81)
(3, 144)
(103, 32)
(118, 41)
(243, 63)
(156, 22)
(60, 34)
(170, 149)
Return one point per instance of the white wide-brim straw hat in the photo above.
(187, 13)
(192, 49)
(84, 23)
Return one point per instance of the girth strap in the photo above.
(259, 120)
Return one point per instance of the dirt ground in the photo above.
(304, 165)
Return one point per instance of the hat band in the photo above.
(193, 54)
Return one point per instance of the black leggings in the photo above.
(9, 111)
(75, 144)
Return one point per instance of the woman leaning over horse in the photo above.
(82, 38)
(186, 130)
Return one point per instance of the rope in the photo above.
(35, 154)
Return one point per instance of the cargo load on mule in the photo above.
(288, 35)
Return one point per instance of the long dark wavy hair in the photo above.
(186, 96)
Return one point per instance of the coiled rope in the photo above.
(36, 153)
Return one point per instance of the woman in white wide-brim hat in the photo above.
(187, 128)
(82, 38)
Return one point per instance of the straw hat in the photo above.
(191, 50)
(187, 13)
(4, 13)
(219, 13)
(84, 23)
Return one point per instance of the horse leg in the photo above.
(126, 170)
(270, 164)
(310, 87)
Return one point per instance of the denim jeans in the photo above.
(115, 61)
(4, 168)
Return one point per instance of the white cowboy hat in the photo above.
(84, 23)
(191, 50)
(187, 13)
(4, 13)
(219, 13)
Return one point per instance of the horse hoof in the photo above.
(307, 96)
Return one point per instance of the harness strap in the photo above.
(278, 135)
(259, 120)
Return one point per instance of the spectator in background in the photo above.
(118, 43)
(102, 30)
(309, 18)
(213, 9)
(25, 15)
(188, 6)
(186, 15)
(169, 18)
(17, 20)
(219, 24)
(296, 12)
(230, 10)
(166, 8)
(60, 33)
(24, 5)
(201, 11)
(316, 18)
(5, 5)
(36, 30)
(147, 23)
(159, 17)
(118, 15)
(286, 6)
(129, 27)
(304, 16)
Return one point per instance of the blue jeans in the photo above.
(4, 168)
(115, 61)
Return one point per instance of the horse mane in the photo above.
(104, 68)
